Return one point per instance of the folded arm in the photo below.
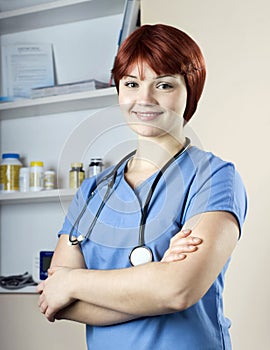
(181, 245)
(150, 289)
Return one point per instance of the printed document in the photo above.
(26, 66)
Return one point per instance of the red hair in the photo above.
(166, 50)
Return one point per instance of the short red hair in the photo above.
(166, 50)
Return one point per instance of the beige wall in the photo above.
(233, 121)
(24, 328)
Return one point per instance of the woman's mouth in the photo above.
(146, 116)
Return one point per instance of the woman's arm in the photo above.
(181, 245)
(154, 288)
(151, 289)
(71, 257)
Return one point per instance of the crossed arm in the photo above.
(112, 296)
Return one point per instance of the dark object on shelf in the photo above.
(17, 281)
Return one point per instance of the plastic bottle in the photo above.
(49, 179)
(24, 179)
(95, 166)
(36, 176)
(9, 172)
(76, 175)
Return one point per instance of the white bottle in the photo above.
(24, 179)
(49, 180)
(36, 176)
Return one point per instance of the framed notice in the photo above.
(26, 66)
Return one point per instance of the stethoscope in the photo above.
(140, 254)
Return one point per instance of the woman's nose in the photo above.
(146, 96)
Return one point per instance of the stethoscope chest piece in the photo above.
(140, 255)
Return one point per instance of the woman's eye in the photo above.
(164, 86)
(131, 84)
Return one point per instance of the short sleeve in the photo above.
(217, 186)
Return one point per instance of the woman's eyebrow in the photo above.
(166, 76)
(130, 76)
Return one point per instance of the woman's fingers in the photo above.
(183, 248)
(180, 245)
(180, 235)
(173, 257)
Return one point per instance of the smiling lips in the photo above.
(147, 116)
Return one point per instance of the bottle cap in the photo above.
(36, 163)
(10, 155)
(76, 165)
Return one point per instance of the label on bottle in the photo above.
(36, 180)
(49, 180)
(76, 178)
(9, 177)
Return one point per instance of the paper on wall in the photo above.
(26, 66)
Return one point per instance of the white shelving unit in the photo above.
(56, 195)
(59, 104)
(41, 128)
(54, 13)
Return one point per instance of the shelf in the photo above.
(99, 98)
(26, 290)
(37, 197)
(57, 12)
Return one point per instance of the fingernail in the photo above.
(196, 240)
(186, 230)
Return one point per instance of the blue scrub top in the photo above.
(195, 183)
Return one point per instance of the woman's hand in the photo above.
(180, 245)
(54, 292)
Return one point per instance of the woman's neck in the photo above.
(151, 154)
(149, 158)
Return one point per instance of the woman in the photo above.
(132, 280)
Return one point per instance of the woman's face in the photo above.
(153, 105)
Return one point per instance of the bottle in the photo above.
(24, 179)
(76, 175)
(95, 167)
(49, 179)
(9, 172)
(36, 176)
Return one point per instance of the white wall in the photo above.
(233, 121)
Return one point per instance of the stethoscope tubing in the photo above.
(113, 174)
(151, 191)
(111, 183)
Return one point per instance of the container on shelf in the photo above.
(49, 179)
(9, 172)
(24, 179)
(36, 176)
(95, 166)
(76, 175)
